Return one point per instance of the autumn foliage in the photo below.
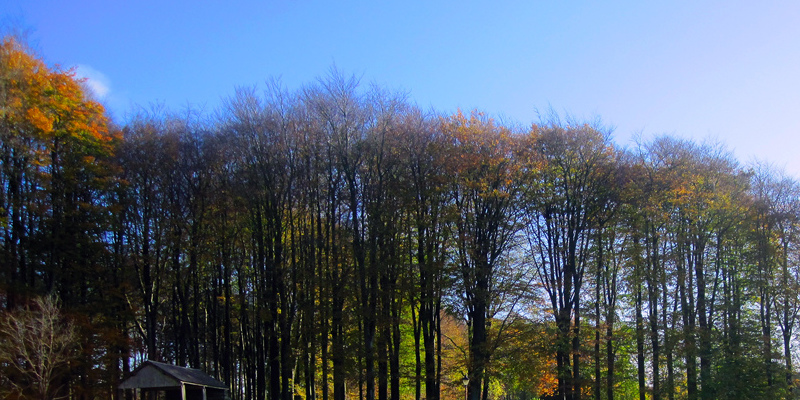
(56, 178)
(337, 242)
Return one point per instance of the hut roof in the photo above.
(152, 374)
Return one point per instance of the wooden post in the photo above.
(204, 393)
(183, 391)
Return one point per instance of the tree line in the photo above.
(337, 241)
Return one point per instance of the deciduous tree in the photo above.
(37, 343)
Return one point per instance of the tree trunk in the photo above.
(597, 339)
(477, 349)
(640, 361)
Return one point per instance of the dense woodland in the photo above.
(337, 242)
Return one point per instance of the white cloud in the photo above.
(95, 80)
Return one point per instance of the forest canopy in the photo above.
(337, 241)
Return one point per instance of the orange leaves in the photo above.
(39, 120)
(57, 138)
(48, 106)
(44, 102)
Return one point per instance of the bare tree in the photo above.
(36, 345)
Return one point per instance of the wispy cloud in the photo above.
(95, 80)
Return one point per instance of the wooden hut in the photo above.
(155, 380)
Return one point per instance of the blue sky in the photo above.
(725, 70)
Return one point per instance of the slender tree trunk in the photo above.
(417, 353)
(438, 380)
(383, 364)
(577, 386)
(394, 350)
(430, 322)
(325, 358)
(787, 355)
(687, 313)
(337, 339)
(610, 356)
(597, 338)
(652, 297)
(668, 342)
(640, 360)
(788, 319)
(706, 392)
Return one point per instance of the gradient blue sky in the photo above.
(725, 70)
